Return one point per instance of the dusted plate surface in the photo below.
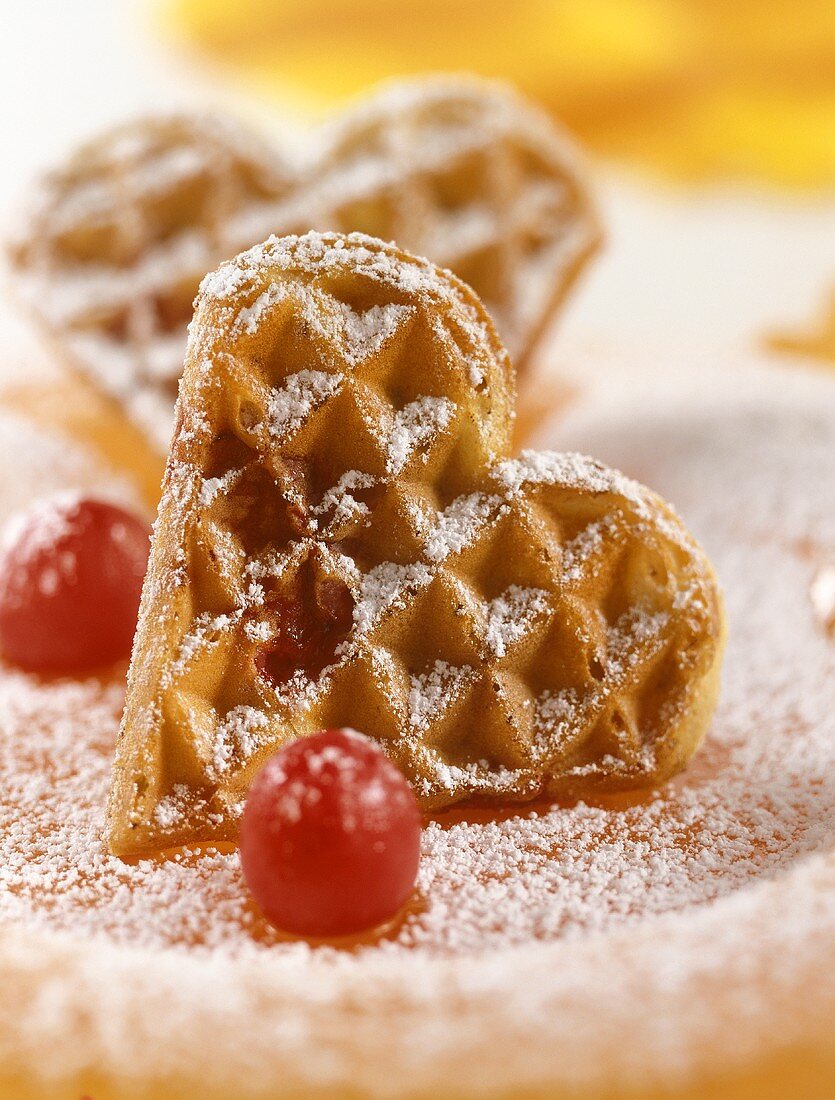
(685, 936)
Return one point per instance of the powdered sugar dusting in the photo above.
(173, 808)
(431, 693)
(207, 630)
(383, 586)
(41, 526)
(46, 526)
(555, 713)
(366, 331)
(459, 523)
(414, 425)
(752, 804)
(213, 486)
(578, 551)
(239, 734)
(510, 616)
(301, 393)
(339, 504)
(550, 467)
(822, 594)
(359, 334)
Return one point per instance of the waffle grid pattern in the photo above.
(115, 245)
(359, 551)
(474, 178)
(466, 708)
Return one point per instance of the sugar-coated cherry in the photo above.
(70, 580)
(330, 836)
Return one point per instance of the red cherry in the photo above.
(330, 836)
(70, 580)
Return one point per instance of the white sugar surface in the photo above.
(756, 802)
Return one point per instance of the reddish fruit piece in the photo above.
(330, 836)
(309, 624)
(70, 581)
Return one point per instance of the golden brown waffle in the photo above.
(469, 173)
(463, 171)
(342, 540)
(117, 240)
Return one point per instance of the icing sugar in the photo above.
(382, 586)
(339, 504)
(822, 594)
(510, 616)
(417, 423)
(328, 257)
(751, 806)
(548, 467)
(290, 405)
(458, 524)
(551, 943)
(432, 692)
(238, 735)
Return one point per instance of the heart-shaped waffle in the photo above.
(343, 540)
(466, 172)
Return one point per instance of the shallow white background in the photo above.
(689, 281)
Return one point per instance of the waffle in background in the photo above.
(471, 175)
(116, 240)
(111, 254)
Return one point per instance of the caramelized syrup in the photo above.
(310, 623)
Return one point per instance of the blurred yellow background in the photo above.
(693, 89)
